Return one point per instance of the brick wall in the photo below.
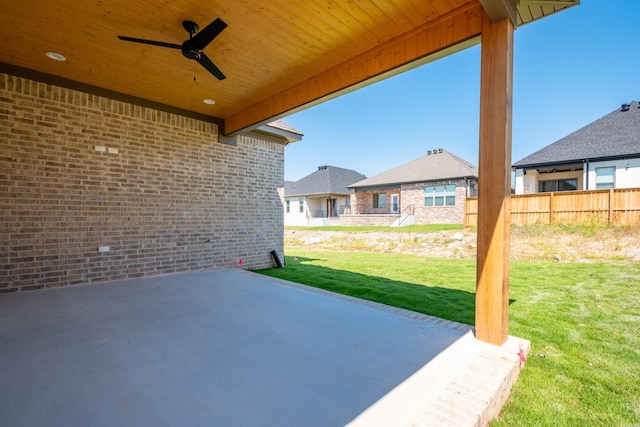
(362, 201)
(172, 199)
(413, 194)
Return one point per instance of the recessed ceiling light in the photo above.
(55, 56)
(209, 101)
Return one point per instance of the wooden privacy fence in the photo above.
(619, 206)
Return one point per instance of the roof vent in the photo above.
(440, 150)
(429, 153)
(625, 107)
(320, 168)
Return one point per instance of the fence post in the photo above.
(610, 206)
(466, 213)
(551, 208)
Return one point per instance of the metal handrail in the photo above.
(411, 210)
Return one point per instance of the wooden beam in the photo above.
(494, 187)
(450, 30)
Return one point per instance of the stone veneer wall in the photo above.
(365, 220)
(362, 202)
(172, 199)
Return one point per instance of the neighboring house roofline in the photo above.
(437, 165)
(317, 195)
(611, 137)
(327, 181)
(282, 130)
(576, 162)
(396, 184)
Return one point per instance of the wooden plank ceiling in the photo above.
(277, 55)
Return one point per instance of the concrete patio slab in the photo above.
(233, 348)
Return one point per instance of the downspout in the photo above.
(586, 178)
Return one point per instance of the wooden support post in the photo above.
(494, 189)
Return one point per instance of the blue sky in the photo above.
(570, 69)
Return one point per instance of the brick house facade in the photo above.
(401, 192)
(411, 200)
(413, 195)
(80, 171)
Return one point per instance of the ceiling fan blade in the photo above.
(210, 66)
(151, 42)
(204, 37)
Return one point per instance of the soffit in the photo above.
(267, 49)
(532, 10)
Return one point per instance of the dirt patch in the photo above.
(526, 244)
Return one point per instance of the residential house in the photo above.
(320, 197)
(430, 189)
(603, 154)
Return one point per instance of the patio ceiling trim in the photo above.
(458, 29)
(501, 9)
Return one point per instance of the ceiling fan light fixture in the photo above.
(209, 101)
(55, 56)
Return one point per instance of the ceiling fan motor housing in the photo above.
(190, 51)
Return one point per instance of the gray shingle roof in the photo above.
(279, 124)
(432, 167)
(281, 129)
(326, 180)
(289, 186)
(614, 135)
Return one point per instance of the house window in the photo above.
(440, 195)
(605, 178)
(301, 205)
(380, 200)
(288, 206)
(558, 185)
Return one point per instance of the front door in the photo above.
(395, 203)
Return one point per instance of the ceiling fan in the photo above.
(192, 48)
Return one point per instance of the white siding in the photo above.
(294, 216)
(625, 176)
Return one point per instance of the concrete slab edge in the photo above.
(479, 390)
(375, 305)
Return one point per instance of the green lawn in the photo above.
(582, 319)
